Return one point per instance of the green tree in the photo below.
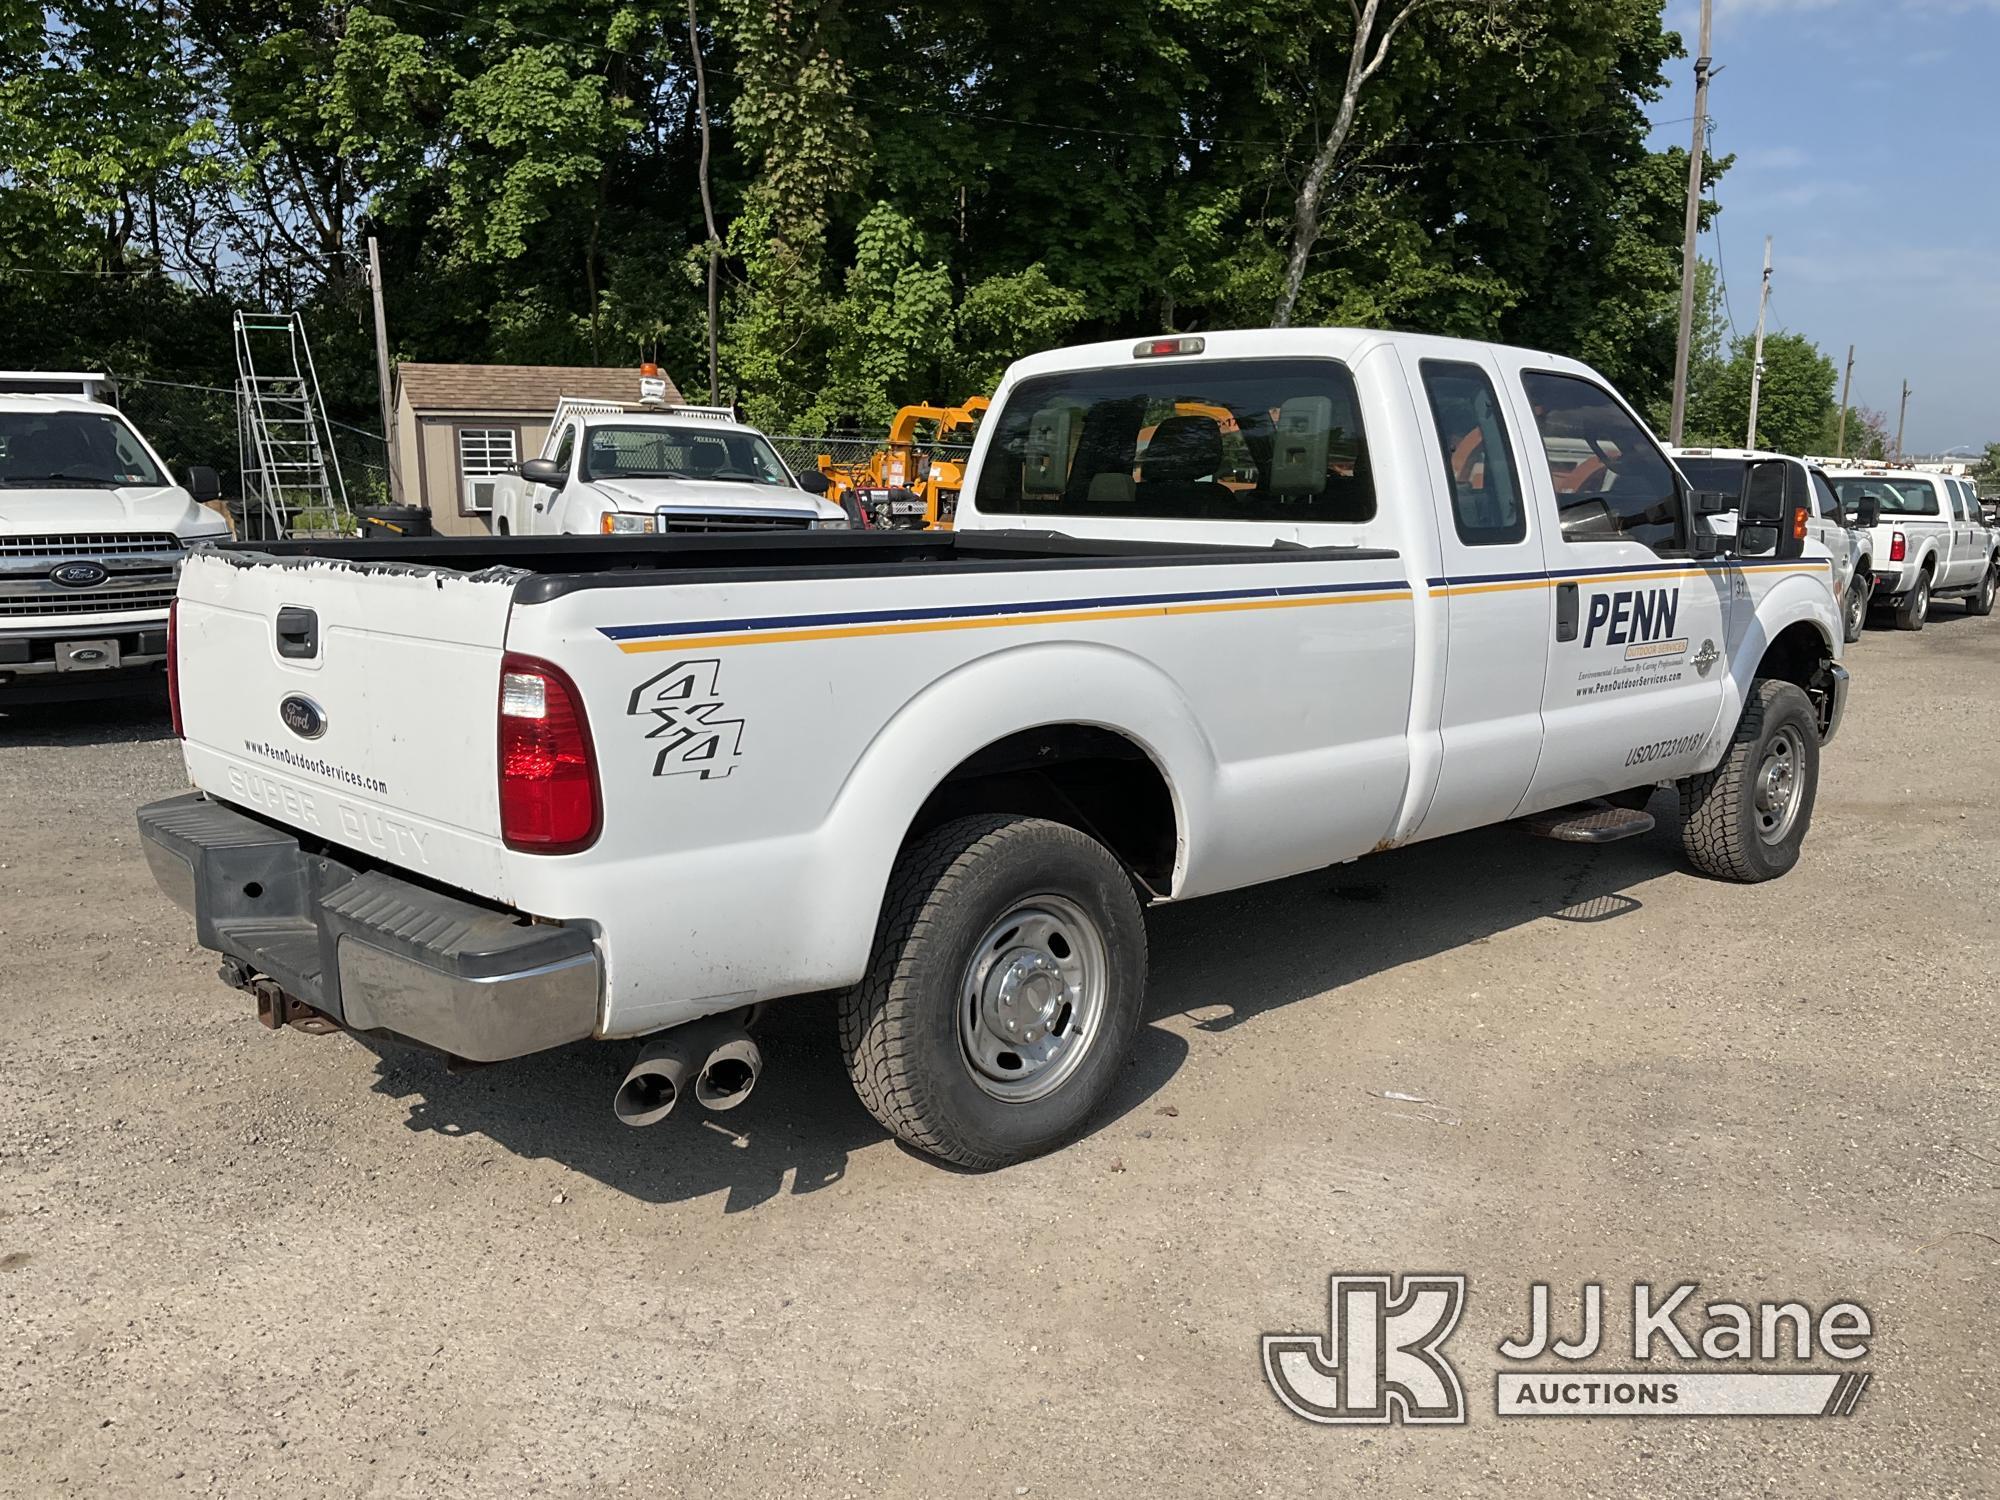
(1794, 404)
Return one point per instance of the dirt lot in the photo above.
(233, 1262)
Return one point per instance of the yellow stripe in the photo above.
(1066, 617)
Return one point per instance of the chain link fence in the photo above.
(196, 424)
(802, 454)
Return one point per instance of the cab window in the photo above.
(1478, 462)
(1211, 440)
(1612, 482)
(566, 449)
(1824, 498)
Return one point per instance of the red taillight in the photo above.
(174, 670)
(548, 776)
(1159, 348)
(1896, 546)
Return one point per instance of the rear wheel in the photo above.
(1003, 993)
(1980, 600)
(1746, 820)
(1916, 605)
(1855, 618)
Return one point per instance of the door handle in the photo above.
(1567, 609)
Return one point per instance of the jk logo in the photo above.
(1379, 1361)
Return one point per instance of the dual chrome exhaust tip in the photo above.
(718, 1063)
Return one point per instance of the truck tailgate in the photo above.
(371, 724)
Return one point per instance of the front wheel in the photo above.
(1003, 992)
(1746, 820)
(1916, 605)
(1855, 618)
(1980, 600)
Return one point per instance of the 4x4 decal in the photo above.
(686, 701)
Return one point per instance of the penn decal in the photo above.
(1630, 617)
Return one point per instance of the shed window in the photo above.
(485, 451)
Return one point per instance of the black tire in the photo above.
(1723, 821)
(900, 1027)
(1916, 605)
(1980, 600)
(1854, 616)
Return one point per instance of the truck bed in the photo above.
(556, 565)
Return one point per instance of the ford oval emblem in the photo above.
(80, 575)
(302, 716)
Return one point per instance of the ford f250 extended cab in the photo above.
(1929, 540)
(493, 796)
(92, 532)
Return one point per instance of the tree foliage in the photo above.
(909, 197)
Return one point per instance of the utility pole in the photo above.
(382, 372)
(1900, 415)
(1757, 365)
(1846, 384)
(1696, 157)
(707, 206)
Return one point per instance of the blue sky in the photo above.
(1867, 142)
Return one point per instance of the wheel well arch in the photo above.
(1096, 780)
(1799, 655)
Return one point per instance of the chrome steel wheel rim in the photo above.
(1923, 606)
(1986, 589)
(1032, 1003)
(1780, 785)
(1857, 607)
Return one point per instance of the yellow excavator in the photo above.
(902, 486)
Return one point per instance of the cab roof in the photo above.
(35, 401)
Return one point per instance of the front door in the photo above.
(1639, 649)
(1498, 607)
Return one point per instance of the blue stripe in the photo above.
(1636, 568)
(972, 611)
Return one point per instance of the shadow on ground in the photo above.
(1223, 962)
(132, 717)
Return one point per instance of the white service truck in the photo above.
(1849, 543)
(93, 528)
(1217, 610)
(1929, 540)
(613, 469)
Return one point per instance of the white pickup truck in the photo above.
(1218, 610)
(641, 470)
(1929, 540)
(1849, 544)
(93, 528)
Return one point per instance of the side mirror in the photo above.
(813, 482)
(543, 471)
(203, 483)
(1770, 522)
(1865, 512)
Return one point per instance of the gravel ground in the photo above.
(236, 1262)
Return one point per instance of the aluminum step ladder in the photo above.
(292, 485)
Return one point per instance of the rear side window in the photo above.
(1478, 460)
(1224, 440)
(1612, 482)
(1824, 499)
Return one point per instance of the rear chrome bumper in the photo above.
(370, 950)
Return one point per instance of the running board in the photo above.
(1588, 823)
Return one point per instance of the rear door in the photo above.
(1963, 567)
(355, 703)
(1639, 646)
(1499, 608)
